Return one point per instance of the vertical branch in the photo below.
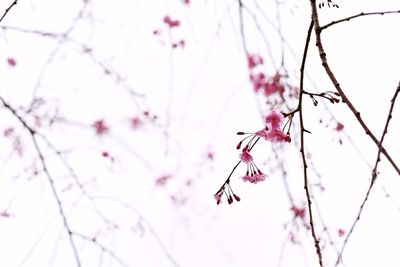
(302, 130)
(374, 174)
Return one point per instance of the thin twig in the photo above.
(303, 155)
(362, 14)
(8, 10)
(374, 174)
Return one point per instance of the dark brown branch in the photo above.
(302, 147)
(374, 174)
(335, 83)
(362, 14)
(8, 10)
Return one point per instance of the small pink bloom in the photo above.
(100, 127)
(136, 122)
(339, 127)
(210, 155)
(5, 214)
(162, 180)
(274, 119)
(277, 136)
(11, 62)
(258, 80)
(299, 212)
(254, 60)
(8, 131)
(245, 157)
(217, 197)
(254, 178)
(341, 232)
(262, 133)
(105, 154)
(170, 22)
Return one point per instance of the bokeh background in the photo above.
(137, 123)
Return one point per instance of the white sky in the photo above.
(202, 97)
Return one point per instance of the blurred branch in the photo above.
(374, 174)
(50, 179)
(102, 247)
(8, 10)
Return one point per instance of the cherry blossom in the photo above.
(298, 212)
(277, 136)
(245, 157)
(100, 127)
(254, 60)
(170, 22)
(273, 120)
(11, 62)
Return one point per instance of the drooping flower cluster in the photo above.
(271, 132)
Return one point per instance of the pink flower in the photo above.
(210, 155)
(277, 136)
(298, 212)
(254, 177)
(273, 86)
(217, 197)
(339, 127)
(341, 232)
(245, 157)
(254, 60)
(273, 120)
(5, 214)
(136, 122)
(11, 62)
(258, 80)
(8, 131)
(170, 22)
(162, 180)
(100, 127)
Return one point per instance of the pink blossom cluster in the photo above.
(259, 80)
(271, 132)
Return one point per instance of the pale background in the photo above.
(202, 97)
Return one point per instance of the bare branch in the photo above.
(8, 10)
(302, 148)
(362, 14)
(374, 175)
